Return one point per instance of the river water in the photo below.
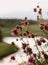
(20, 53)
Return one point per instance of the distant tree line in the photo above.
(13, 22)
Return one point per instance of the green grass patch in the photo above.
(7, 49)
(6, 31)
(34, 29)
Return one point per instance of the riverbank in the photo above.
(7, 49)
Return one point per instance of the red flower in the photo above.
(33, 35)
(20, 27)
(46, 27)
(12, 58)
(20, 33)
(45, 55)
(15, 31)
(31, 59)
(39, 42)
(35, 10)
(28, 50)
(17, 26)
(29, 35)
(24, 34)
(42, 40)
(26, 22)
(27, 32)
(23, 45)
(40, 11)
(34, 55)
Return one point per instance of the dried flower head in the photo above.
(12, 58)
(28, 50)
(17, 39)
(13, 43)
(27, 32)
(24, 34)
(17, 26)
(20, 34)
(40, 12)
(29, 35)
(39, 42)
(15, 31)
(23, 45)
(33, 35)
(37, 6)
(31, 59)
(35, 10)
(42, 40)
(20, 27)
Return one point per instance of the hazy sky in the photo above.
(22, 8)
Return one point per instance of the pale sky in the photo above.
(22, 8)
